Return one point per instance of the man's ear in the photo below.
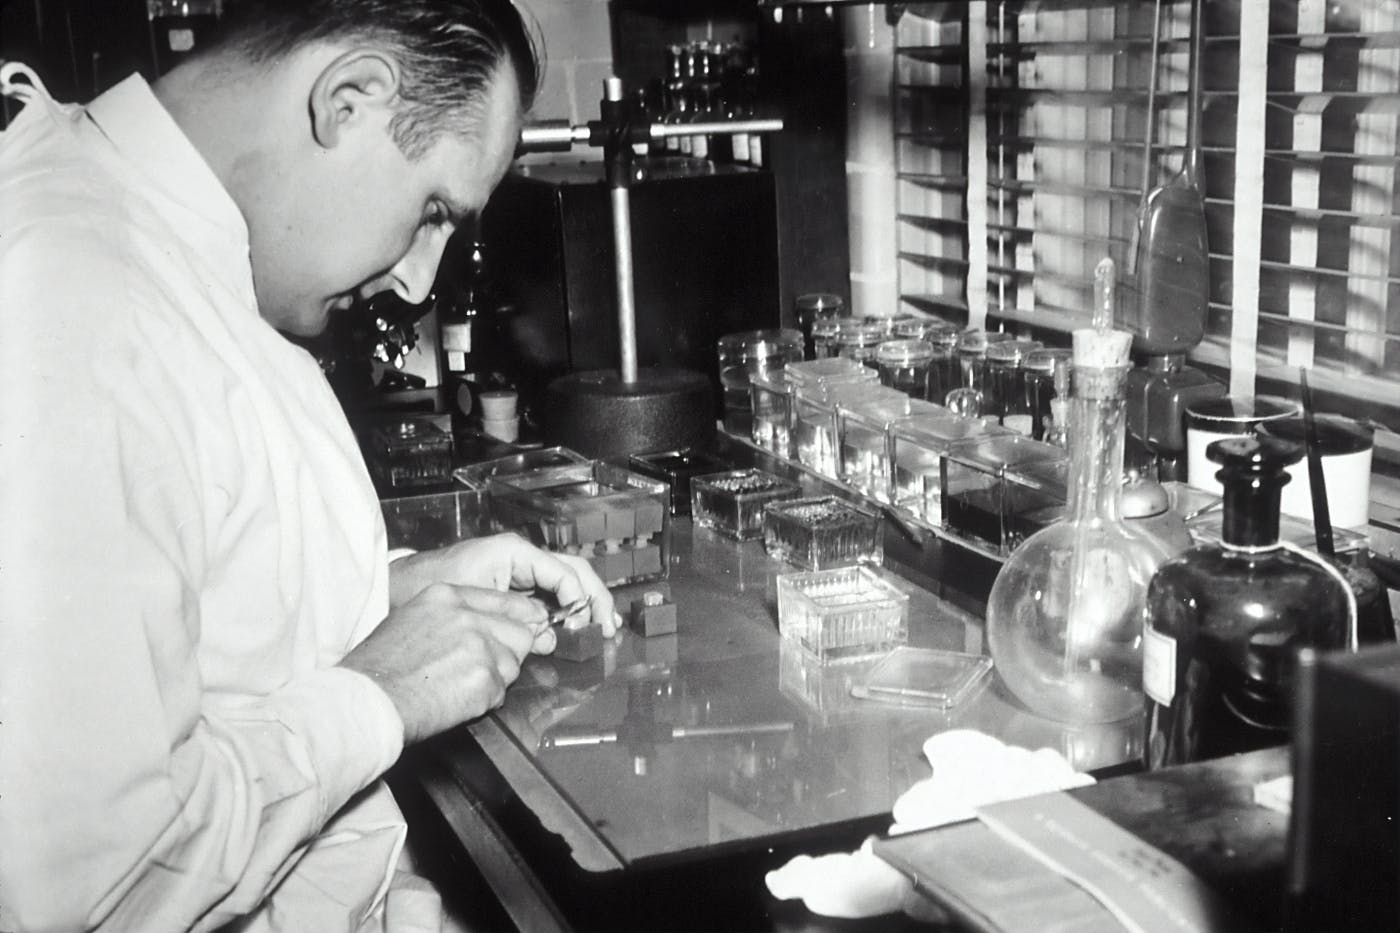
(353, 87)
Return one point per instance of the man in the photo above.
(207, 659)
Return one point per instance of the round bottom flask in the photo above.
(1065, 615)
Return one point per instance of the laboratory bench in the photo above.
(652, 787)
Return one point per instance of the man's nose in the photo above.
(415, 273)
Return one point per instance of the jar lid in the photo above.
(904, 352)
(861, 333)
(972, 341)
(942, 335)
(1043, 360)
(910, 327)
(1010, 351)
(761, 342)
(820, 303)
(1237, 415)
(1253, 454)
(1336, 434)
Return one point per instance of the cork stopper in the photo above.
(1100, 346)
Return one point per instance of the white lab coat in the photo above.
(190, 543)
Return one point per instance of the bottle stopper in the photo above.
(1100, 346)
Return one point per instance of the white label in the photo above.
(756, 150)
(1021, 424)
(1158, 665)
(181, 40)
(741, 147)
(457, 338)
(701, 147)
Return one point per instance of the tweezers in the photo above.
(567, 611)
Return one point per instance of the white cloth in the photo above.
(190, 543)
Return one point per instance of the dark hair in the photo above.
(448, 49)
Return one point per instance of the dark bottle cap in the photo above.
(1252, 476)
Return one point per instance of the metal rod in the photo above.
(626, 298)
(715, 127)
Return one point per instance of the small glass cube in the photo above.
(676, 468)
(477, 476)
(408, 454)
(982, 499)
(1036, 493)
(917, 447)
(820, 532)
(814, 437)
(732, 502)
(770, 399)
(863, 431)
(847, 613)
(616, 519)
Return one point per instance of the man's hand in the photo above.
(448, 654)
(504, 562)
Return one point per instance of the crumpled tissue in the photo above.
(970, 769)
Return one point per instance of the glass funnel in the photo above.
(1065, 615)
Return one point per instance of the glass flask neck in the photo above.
(1096, 443)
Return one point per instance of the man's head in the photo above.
(355, 135)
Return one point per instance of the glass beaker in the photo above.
(744, 355)
(1039, 373)
(905, 365)
(814, 307)
(1004, 391)
(858, 340)
(1065, 615)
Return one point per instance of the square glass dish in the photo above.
(821, 532)
(990, 496)
(814, 438)
(847, 613)
(676, 468)
(435, 520)
(917, 447)
(732, 502)
(829, 371)
(616, 519)
(928, 677)
(409, 453)
(862, 429)
(770, 398)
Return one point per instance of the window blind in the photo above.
(1300, 150)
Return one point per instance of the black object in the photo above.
(1226, 621)
(599, 415)
(675, 468)
(1344, 829)
(705, 263)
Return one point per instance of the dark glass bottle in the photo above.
(462, 330)
(1225, 621)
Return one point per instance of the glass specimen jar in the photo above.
(943, 372)
(814, 307)
(1038, 369)
(858, 340)
(1064, 618)
(905, 365)
(1004, 388)
(1225, 621)
(824, 337)
(745, 355)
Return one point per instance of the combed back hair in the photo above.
(448, 50)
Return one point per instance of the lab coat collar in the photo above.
(130, 115)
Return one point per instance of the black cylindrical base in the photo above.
(599, 415)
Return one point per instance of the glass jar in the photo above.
(943, 373)
(1004, 391)
(814, 307)
(1225, 621)
(905, 365)
(1064, 618)
(745, 355)
(1038, 371)
(824, 332)
(858, 340)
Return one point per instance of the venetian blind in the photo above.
(1021, 130)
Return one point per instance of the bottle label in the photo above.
(1158, 665)
(1021, 424)
(741, 147)
(457, 338)
(756, 150)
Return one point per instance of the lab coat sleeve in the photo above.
(130, 798)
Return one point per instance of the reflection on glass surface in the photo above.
(719, 733)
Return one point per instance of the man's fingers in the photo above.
(517, 607)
